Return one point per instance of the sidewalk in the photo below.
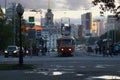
(99, 55)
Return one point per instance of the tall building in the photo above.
(86, 20)
(80, 30)
(11, 13)
(74, 31)
(113, 23)
(95, 28)
(98, 27)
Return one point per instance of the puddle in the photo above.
(99, 66)
(56, 73)
(79, 74)
(44, 73)
(103, 66)
(108, 77)
(82, 66)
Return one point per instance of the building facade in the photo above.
(50, 31)
(74, 31)
(98, 27)
(80, 30)
(113, 23)
(11, 13)
(86, 20)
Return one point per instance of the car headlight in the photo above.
(6, 51)
(15, 51)
(70, 49)
(27, 51)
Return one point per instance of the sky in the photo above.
(60, 8)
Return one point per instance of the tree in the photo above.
(107, 5)
(92, 40)
(2, 16)
(80, 40)
(112, 35)
(6, 35)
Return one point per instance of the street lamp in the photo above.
(20, 11)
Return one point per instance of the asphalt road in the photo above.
(80, 67)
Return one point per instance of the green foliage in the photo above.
(25, 41)
(6, 35)
(107, 5)
(113, 34)
(80, 40)
(92, 40)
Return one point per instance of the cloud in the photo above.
(55, 4)
(77, 4)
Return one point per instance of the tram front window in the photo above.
(67, 42)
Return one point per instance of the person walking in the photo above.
(104, 51)
(116, 49)
(110, 50)
(96, 50)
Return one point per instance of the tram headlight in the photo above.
(62, 49)
(70, 49)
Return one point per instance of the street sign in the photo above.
(31, 19)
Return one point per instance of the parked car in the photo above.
(11, 51)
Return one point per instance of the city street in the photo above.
(59, 40)
(80, 67)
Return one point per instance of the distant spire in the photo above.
(48, 4)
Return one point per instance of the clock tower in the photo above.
(49, 31)
(49, 17)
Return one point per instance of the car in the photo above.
(11, 51)
(24, 51)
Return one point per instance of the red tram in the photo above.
(66, 46)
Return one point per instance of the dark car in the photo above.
(11, 51)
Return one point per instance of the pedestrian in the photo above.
(100, 50)
(104, 51)
(96, 50)
(116, 49)
(110, 50)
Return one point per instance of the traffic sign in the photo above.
(31, 19)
